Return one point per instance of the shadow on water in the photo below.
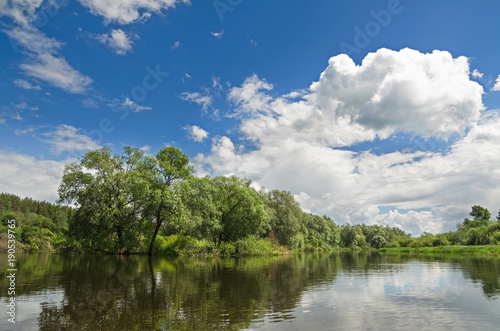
(136, 292)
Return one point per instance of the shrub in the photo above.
(394, 244)
(227, 248)
(252, 245)
(405, 242)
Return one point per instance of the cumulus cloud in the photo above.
(117, 40)
(27, 176)
(496, 87)
(477, 74)
(295, 141)
(196, 133)
(128, 11)
(429, 94)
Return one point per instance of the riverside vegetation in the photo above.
(139, 204)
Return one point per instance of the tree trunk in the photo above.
(158, 225)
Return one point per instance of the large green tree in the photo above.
(101, 186)
(160, 185)
(284, 216)
(239, 210)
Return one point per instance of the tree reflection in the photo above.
(115, 293)
(142, 293)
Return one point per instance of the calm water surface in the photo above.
(361, 291)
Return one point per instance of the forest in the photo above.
(153, 204)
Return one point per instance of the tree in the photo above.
(160, 178)
(283, 217)
(100, 186)
(239, 209)
(481, 218)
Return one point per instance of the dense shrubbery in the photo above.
(40, 226)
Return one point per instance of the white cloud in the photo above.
(249, 98)
(477, 74)
(117, 40)
(295, 139)
(216, 83)
(45, 64)
(26, 176)
(90, 103)
(217, 35)
(26, 85)
(132, 105)
(196, 133)
(146, 149)
(23, 106)
(10, 114)
(66, 138)
(176, 45)
(128, 11)
(429, 94)
(57, 72)
(497, 84)
(204, 100)
(22, 12)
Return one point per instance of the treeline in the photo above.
(136, 203)
(40, 225)
(132, 203)
(479, 230)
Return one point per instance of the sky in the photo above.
(376, 112)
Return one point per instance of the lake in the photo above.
(317, 291)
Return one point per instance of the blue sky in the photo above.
(377, 112)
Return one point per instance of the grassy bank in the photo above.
(479, 250)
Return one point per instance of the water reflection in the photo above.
(315, 291)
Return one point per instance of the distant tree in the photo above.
(481, 217)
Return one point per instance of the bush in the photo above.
(394, 244)
(174, 245)
(226, 249)
(405, 242)
(495, 240)
(252, 245)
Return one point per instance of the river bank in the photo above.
(476, 249)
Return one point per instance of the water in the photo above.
(321, 291)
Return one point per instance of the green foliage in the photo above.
(159, 189)
(252, 245)
(283, 217)
(352, 237)
(235, 210)
(481, 218)
(132, 203)
(176, 245)
(102, 187)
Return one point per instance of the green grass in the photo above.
(479, 250)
